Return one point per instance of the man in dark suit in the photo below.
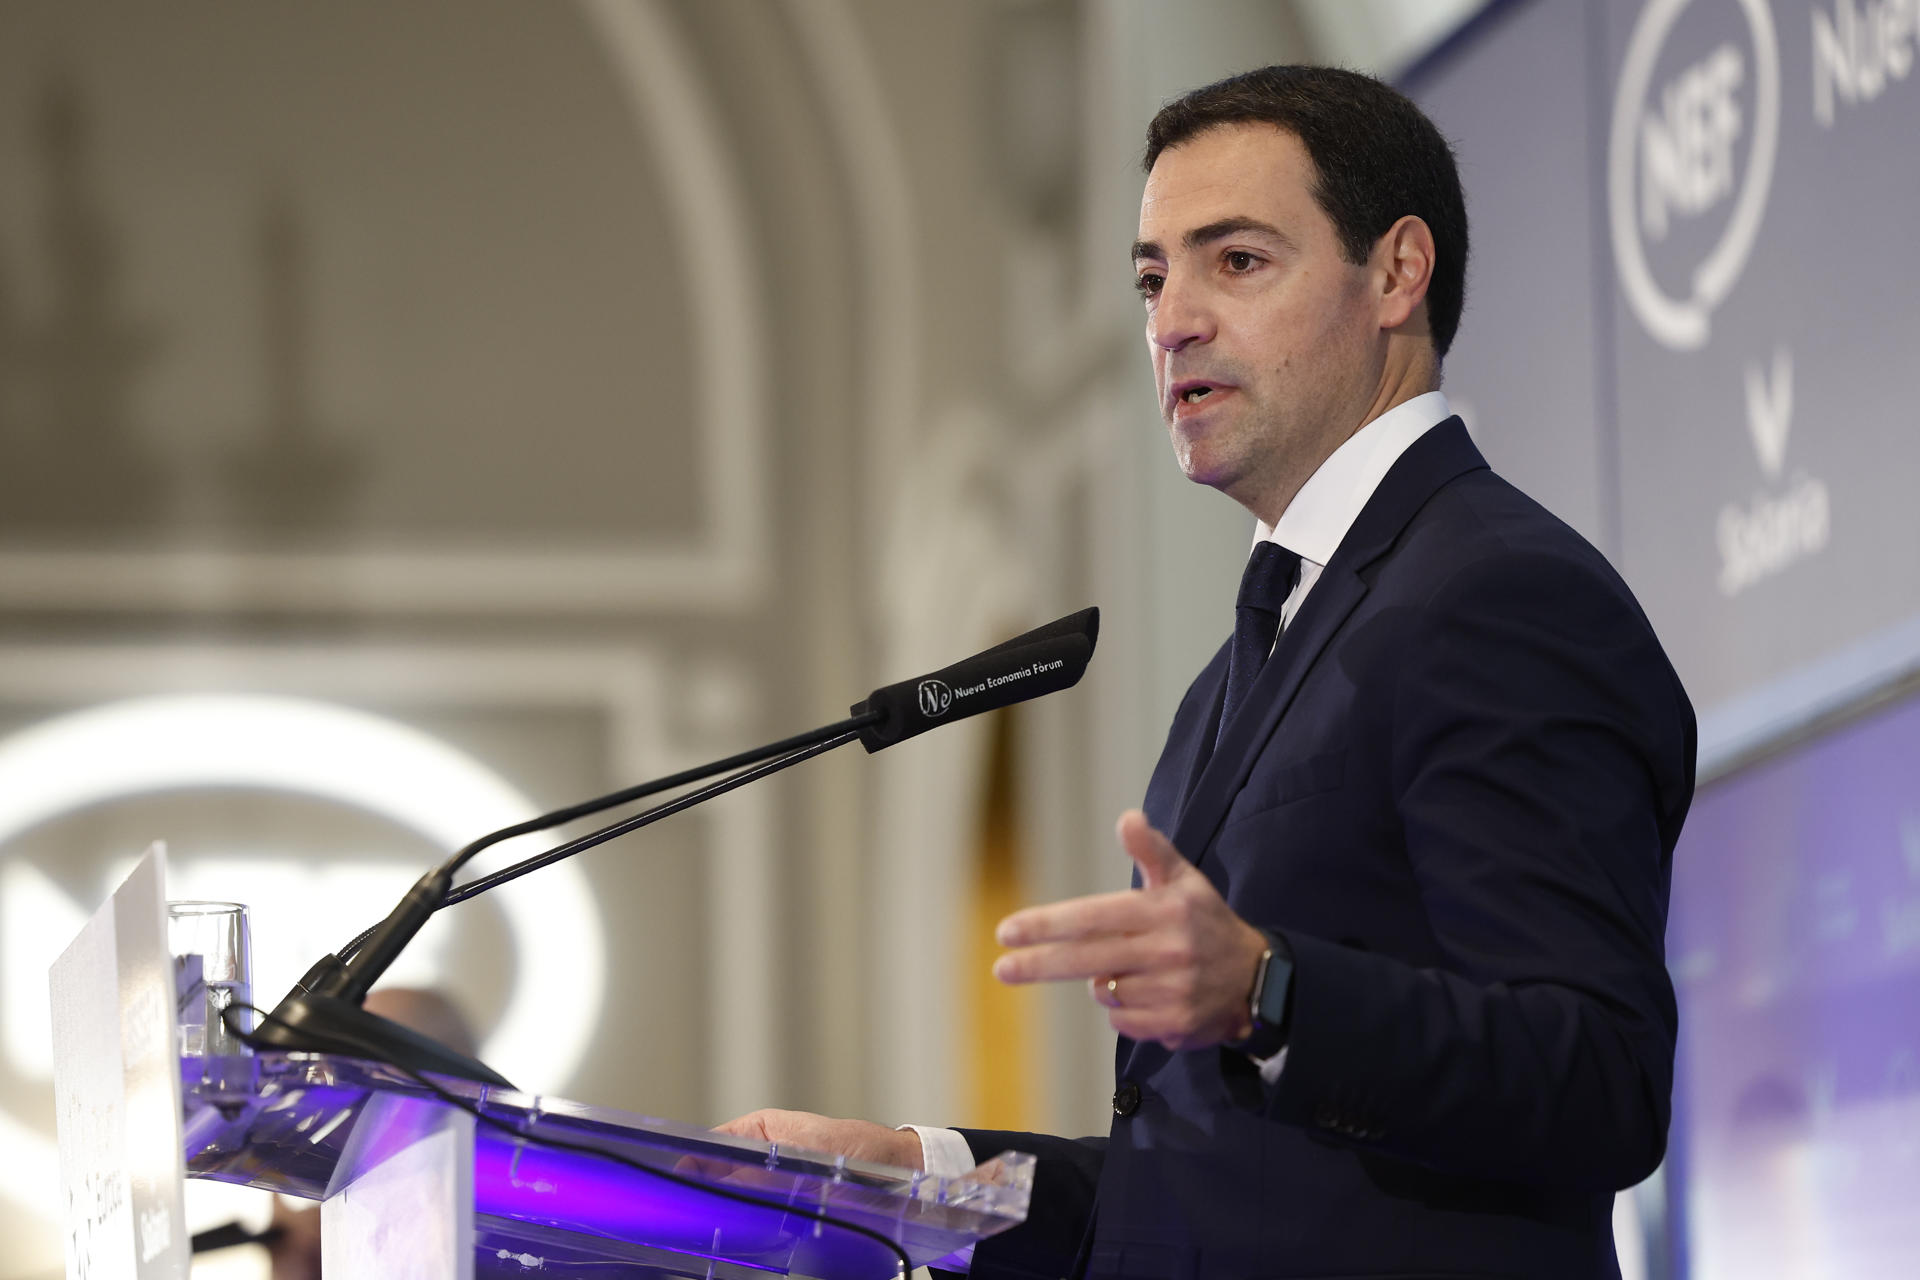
(1390, 982)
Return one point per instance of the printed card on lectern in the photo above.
(117, 1089)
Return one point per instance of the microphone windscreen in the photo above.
(1044, 660)
(1084, 623)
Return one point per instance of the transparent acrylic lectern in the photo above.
(418, 1187)
(410, 1172)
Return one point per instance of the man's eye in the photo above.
(1240, 260)
(1148, 284)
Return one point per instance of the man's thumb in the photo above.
(1152, 852)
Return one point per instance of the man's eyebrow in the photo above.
(1232, 227)
(1213, 231)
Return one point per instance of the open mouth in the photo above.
(1191, 393)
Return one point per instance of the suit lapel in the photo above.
(1327, 606)
(1199, 746)
(1429, 463)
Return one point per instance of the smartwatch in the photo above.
(1271, 1000)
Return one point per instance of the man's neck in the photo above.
(1327, 505)
(1391, 395)
(1414, 380)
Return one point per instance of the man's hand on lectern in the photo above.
(1170, 960)
(854, 1139)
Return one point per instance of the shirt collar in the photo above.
(1330, 501)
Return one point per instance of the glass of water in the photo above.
(213, 965)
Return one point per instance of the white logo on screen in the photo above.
(1792, 517)
(935, 698)
(1859, 52)
(1672, 157)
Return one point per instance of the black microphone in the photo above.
(1044, 660)
(323, 1011)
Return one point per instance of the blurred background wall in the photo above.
(571, 392)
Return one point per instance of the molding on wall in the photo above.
(725, 572)
(841, 65)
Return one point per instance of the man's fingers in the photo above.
(1151, 851)
(857, 1139)
(1055, 961)
(1124, 912)
(751, 1125)
(1140, 993)
(1121, 912)
(1166, 960)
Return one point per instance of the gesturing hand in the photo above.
(855, 1139)
(1170, 960)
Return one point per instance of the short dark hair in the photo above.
(1376, 157)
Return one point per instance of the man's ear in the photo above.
(1403, 262)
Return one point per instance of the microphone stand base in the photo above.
(327, 1024)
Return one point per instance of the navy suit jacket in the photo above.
(1454, 790)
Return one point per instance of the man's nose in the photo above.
(1180, 318)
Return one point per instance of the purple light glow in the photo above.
(574, 1211)
(1795, 946)
(578, 1192)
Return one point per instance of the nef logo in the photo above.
(1686, 148)
(935, 698)
(1690, 161)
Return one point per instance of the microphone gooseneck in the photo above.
(323, 1011)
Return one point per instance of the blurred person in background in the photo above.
(1389, 984)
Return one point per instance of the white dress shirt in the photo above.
(1317, 520)
(1313, 525)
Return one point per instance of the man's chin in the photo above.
(1224, 477)
(1206, 449)
(1203, 467)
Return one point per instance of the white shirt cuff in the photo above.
(1270, 1068)
(944, 1152)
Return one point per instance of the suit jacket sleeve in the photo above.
(1066, 1174)
(1541, 763)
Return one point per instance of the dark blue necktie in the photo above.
(1264, 587)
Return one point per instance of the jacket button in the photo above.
(1126, 1099)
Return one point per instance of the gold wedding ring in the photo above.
(1113, 991)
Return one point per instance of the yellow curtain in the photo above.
(999, 1019)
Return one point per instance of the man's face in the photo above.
(1267, 348)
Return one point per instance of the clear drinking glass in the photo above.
(213, 961)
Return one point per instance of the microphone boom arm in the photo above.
(324, 1008)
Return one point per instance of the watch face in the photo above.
(1275, 985)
